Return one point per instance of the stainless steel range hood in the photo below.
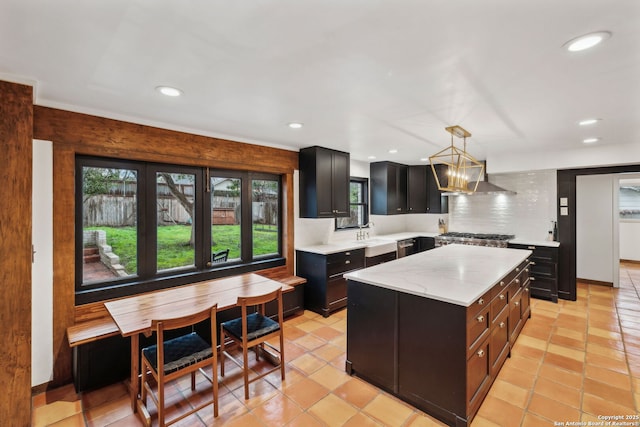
(484, 187)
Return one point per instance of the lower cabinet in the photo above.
(326, 288)
(543, 270)
(439, 357)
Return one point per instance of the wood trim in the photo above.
(595, 282)
(74, 133)
(16, 165)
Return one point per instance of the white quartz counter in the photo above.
(458, 274)
(340, 246)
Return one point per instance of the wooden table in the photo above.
(133, 315)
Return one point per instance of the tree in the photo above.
(182, 199)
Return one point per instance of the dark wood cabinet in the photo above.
(417, 189)
(324, 183)
(440, 357)
(543, 271)
(388, 188)
(426, 243)
(326, 288)
(436, 202)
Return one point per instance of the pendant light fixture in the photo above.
(463, 172)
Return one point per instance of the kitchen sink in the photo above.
(374, 247)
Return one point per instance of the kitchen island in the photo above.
(435, 328)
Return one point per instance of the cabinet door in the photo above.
(340, 184)
(478, 376)
(436, 202)
(401, 189)
(388, 188)
(324, 171)
(417, 189)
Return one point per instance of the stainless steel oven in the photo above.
(407, 247)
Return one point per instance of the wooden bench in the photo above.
(93, 322)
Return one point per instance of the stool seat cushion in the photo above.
(179, 352)
(257, 326)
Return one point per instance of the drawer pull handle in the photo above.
(347, 253)
(480, 319)
(501, 296)
(502, 283)
(533, 248)
(502, 324)
(532, 278)
(533, 263)
(517, 303)
(526, 289)
(517, 280)
(480, 353)
(481, 301)
(347, 262)
(517, 269)
(526, 269)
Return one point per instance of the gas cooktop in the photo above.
(477, 239)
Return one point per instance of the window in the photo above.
(145, 226)
(629, 199)
(358, 205)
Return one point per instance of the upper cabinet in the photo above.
(417, 189)
(388, 188)
(436, 202)
(324, 183)
(399, 189)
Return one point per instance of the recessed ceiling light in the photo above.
(587, 122)
(587, 41)
(295, 125)
(169, 91)
(424, 159)
(590, 140)
(393, 151)
(371, 157)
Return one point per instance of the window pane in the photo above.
(225, 219)
(629, 199)
(355, 192)
(109, 225)
(175, 234)
(265, 204)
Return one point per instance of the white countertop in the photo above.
(458, 274)
(340, 246)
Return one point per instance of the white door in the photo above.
(42, 267)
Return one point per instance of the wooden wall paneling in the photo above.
(16, 146)
(75, 133)
(113, 138)
(63, 260)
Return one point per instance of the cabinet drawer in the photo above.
(480, 304)
(498, 303)
(543, 287)
(336, 292)
(477, 330)
(341, 262)
(543, 269)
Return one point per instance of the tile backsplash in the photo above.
(527, 214)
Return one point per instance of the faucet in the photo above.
(361, 234)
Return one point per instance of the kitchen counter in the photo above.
(456, 274)
(340, 246)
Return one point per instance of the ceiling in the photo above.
(364, 76)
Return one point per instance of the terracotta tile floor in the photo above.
(573, 361)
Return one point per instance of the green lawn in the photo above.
(173, 243)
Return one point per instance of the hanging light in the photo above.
(463, 172)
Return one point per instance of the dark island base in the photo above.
(439, 357)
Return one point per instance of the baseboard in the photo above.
(595, 282)
(630, 261)
(41, 388)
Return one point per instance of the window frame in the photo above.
(147, 277)
(364, 204)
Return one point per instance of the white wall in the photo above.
(42, 268)
(595, 249)
(527, 214)
(630, 240)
